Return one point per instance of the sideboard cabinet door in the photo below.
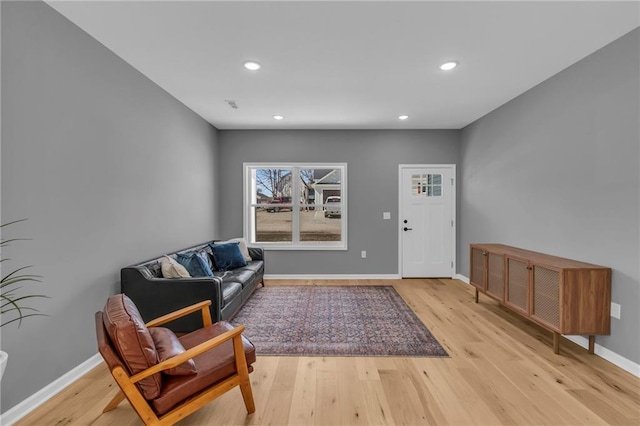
(517, 296)
(546, 296)
(495, 275)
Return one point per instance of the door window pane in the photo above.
(428, 185)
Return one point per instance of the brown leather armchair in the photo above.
(166, 378)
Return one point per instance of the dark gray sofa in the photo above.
(155, 296)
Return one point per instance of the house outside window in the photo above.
(296, 205)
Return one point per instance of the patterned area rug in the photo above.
(335, 321)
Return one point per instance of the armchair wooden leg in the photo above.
(117, 399)
(247, 396)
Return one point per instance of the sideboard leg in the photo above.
(592, 344)
(556, 343)
(477, 298)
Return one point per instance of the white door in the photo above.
(427, 220)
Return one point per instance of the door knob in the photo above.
(407, 229)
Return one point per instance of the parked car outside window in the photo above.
(333, 211)
(279, 200)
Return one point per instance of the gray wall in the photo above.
(556, 170)
(108, 168)
(372, 159)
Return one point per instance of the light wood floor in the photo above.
(501, 370)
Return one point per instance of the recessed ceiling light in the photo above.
(448, 66)
(403, 117)
(252, 66)
(278, 117)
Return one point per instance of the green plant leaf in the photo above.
(11, 302)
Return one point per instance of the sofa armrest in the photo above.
(155, 297)
(256, 253)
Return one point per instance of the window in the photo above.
(429, 185)
(296, 205)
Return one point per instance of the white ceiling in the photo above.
(350, 65)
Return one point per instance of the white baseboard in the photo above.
(607, 354)
(461, 278)
(332, 276)
(19, 411)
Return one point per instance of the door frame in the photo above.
(452, 167)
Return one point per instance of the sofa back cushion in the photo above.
(153, 268)
(132, 340)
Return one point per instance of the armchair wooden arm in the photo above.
(203, 306)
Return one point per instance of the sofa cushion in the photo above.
(230, 290)
(172, 269)
(211, 369)
(243, 276)
(195, 263)
(168, 346)
(242, 243)
(257, 266)
(205, 253)
(154, 268)
(132, 339)
(227, 256)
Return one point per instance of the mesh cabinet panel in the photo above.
(518, 283)
(495, 284)
(477, 268)
(546, 295)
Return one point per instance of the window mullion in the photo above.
(295, 210)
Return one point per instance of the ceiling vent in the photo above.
(232, 103)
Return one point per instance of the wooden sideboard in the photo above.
(562, 295)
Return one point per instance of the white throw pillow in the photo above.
(242, 243)
(172, 269)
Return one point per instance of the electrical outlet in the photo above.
(615, 310)
(363, 254)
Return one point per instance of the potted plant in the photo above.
(12, 299)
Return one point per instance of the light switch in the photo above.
(386, 215)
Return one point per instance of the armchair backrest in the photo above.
(124, 340)
(105, 347)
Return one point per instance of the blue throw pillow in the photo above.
(195, 264)
(227, 256)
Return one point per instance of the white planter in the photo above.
(4, 357)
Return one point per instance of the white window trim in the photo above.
(248, 227)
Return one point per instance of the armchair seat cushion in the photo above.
(210, 369)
